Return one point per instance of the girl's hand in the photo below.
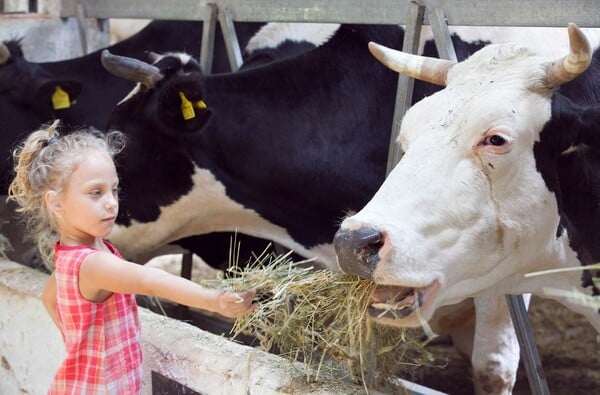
(236, 304)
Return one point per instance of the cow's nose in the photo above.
(357, 250)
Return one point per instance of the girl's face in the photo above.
(88, 205)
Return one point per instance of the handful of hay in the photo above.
(319, 317)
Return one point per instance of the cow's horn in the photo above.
(576, 62)
(154, 57)
(420, 67)
(4, 53)
(131, 69)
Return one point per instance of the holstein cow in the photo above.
(279, 152)
(80, 92)
(499, 178)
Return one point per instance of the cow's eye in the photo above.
(495, 140)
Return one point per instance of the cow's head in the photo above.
(27, 85)
(28, 97)
(162, 118)
(467, 208)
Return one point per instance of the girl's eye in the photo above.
(116, 191)
(495, 139)
(95, 193)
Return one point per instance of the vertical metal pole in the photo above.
(231, 41)
(208, 40)
(404, 91)
(529, 352)
(80, 16)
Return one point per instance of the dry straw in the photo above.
(319, 317)
(574, 296)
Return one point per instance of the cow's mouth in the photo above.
(396, 302)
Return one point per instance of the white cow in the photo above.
(499, 178)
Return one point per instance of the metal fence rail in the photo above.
(548, 13)
(410, 13)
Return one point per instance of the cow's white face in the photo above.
(465, 211)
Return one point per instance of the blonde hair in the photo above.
(43, 162)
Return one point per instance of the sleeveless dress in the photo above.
(102, 340)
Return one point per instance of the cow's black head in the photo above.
(162, 119)
(29, 85)
(169, 95)
(29, 96)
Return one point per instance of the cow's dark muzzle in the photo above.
(358, 250)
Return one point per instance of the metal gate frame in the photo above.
(413, 14)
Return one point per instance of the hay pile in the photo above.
(319, 317)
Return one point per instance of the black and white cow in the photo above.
(27, 89)
(79, 91)
(501, 177)
(279, 152)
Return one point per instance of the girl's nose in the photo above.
(111, 203)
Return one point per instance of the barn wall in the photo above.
(31, 350)
(49, 38)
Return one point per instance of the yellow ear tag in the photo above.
(187, 109)
(200, 104)
(60, 99)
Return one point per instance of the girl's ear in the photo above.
(53, 202)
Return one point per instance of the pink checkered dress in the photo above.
(102, 340)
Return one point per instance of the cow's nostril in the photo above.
(357, 250)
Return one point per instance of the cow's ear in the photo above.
(58, 94)
(182, 107)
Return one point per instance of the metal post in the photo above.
(80, 16)
(231, 41)
(208, 40)
(404, 90)
(529, 352)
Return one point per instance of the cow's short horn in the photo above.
(576, 62)
(420, 67)
(154, 57)
(4, 53)
(131, 69)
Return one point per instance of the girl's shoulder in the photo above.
(85, 248)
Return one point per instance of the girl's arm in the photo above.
(102, 273)
(49, 298)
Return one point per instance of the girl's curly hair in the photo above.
(43, 162)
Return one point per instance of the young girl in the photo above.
(67, 187)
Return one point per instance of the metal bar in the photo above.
(186, 264)
(555, 13)
(81, 25)
(441, 35)
(197, 10)
(529, 352)
(404, 90)
(208, 41)
(232, 44)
